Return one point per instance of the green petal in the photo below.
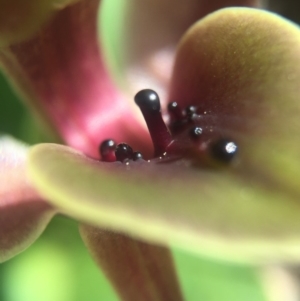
(217, 213)
(242, 65)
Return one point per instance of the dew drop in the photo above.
(137, 156)
(107, 150)
(224, 150)
(196, 132)
(175, 110)
(123, 152)
(190, 110)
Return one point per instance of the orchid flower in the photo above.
(220, 168)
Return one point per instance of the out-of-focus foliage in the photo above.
(12, 111)
(56, 268)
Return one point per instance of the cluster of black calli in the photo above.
(186, 136)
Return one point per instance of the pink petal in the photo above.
(23, 215)
(61, 71)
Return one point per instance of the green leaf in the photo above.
(203, 279)
(52, 269)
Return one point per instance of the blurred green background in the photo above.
(58, 267)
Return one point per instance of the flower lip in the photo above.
(203, 222)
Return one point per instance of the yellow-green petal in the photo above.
(216, 213)
(19, 19)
